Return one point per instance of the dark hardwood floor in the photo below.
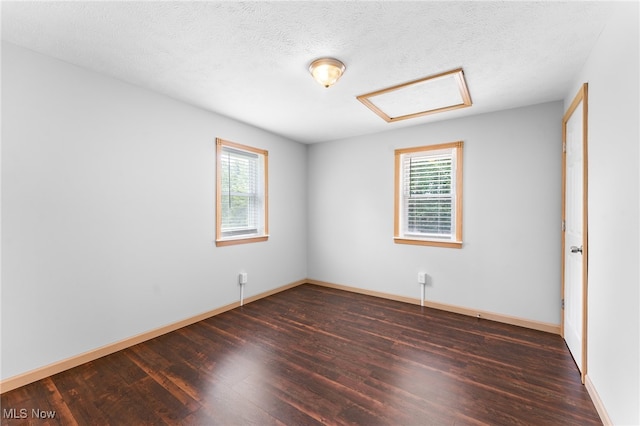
(313, 355)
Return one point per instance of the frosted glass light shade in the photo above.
(326, 71)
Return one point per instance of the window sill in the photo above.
(242, 240)
(434, 243)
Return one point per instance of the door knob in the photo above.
(575, 249)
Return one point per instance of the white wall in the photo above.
(510, 262)
(108, 213)
(613, 343)
(108, 209)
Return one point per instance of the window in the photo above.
(241, 194)
(428, 195)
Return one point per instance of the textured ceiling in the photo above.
(249, 60)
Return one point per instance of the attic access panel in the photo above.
(437, 93)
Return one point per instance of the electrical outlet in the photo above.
(422, 277)
(242, 278)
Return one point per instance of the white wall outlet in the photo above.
(242, 278)
(422, 277)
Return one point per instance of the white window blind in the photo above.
(241, 192)
(428, 194)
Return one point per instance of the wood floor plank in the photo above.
(313, 355)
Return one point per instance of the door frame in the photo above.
(581, 97)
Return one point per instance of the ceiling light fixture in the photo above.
(326, 71)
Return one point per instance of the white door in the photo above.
(574, 247)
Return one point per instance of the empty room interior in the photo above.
(320, 213)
